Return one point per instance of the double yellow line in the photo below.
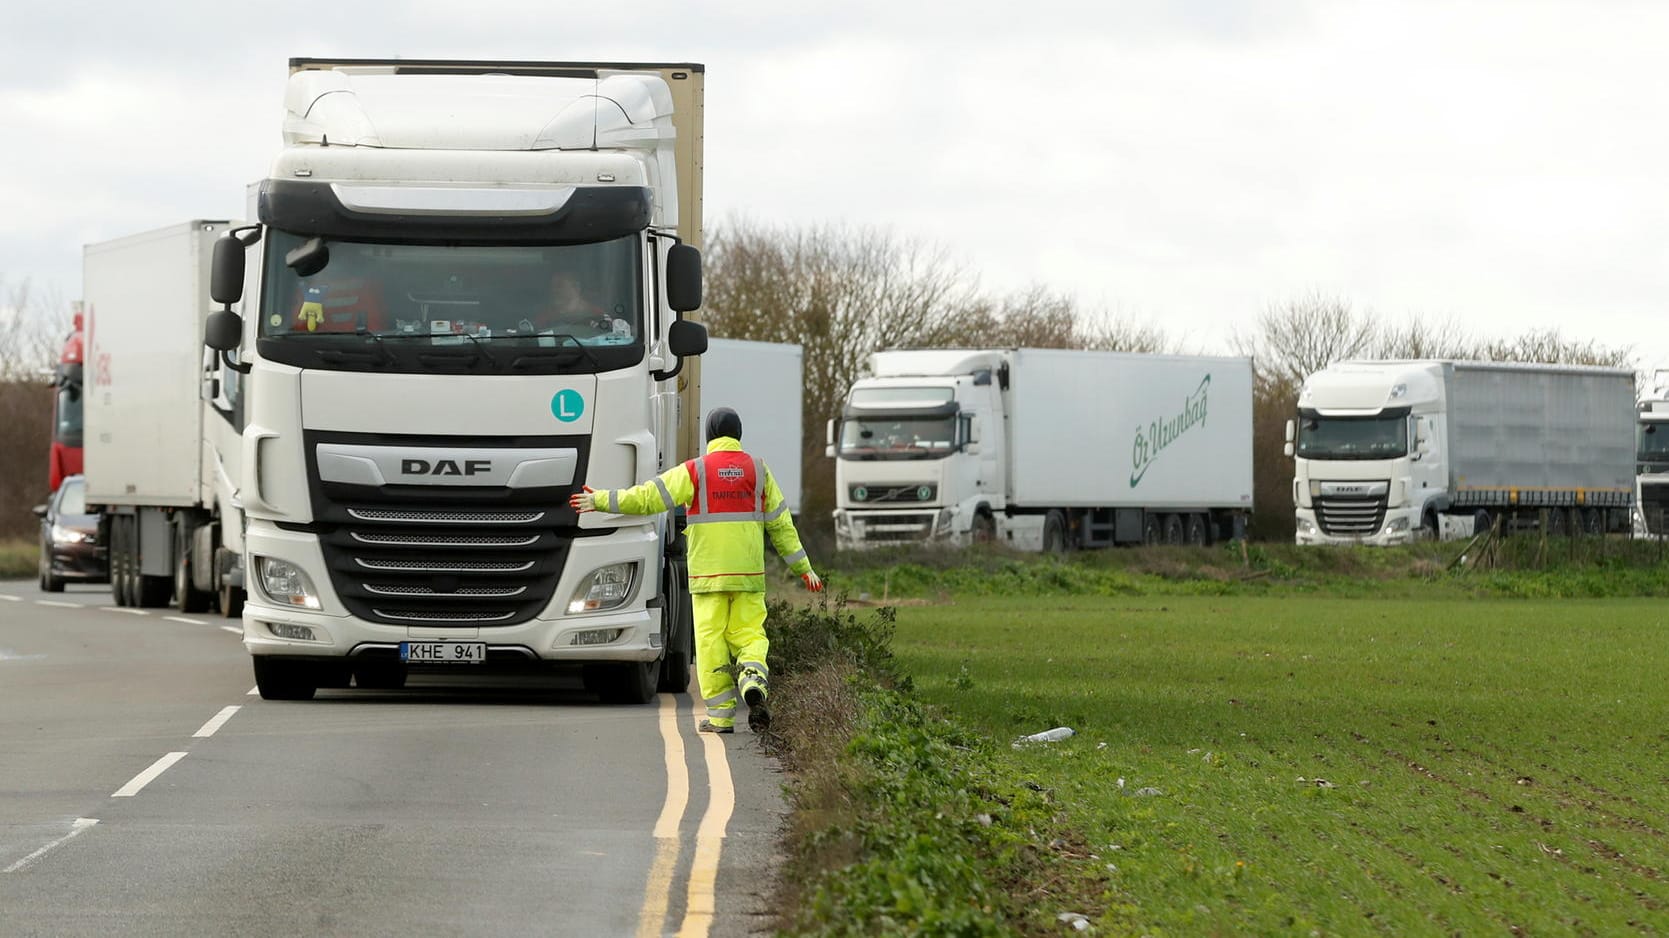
(699, 904)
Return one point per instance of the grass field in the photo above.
(1393, 766)
(19, 558)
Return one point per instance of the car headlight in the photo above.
(285, 583)
(604, 588)
(1306, 526)
(1397, 526)
(63, 535)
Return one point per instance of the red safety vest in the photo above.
(728, 487)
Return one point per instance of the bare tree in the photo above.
(1548, 345)
(32, 328)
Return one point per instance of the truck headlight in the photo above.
(1306, 526)
(1315, 489)
(285, 583)
(1397, 526)
(946, 516)
(604, 588)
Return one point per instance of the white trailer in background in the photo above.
(763, 382)
(1043, 449)
(1385, 450)
(163, 422)
(1651, 516)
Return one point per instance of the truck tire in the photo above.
(1198, 531)
(1152, 529)
(1173, 530)
(1556, 526)
(187, 598)
(277, 679)
(680, 632)
(118, 562)
(1593, 521)
(631, 682)
(1428, 527)
(984, 529)
(1054, 533)
(231, 601)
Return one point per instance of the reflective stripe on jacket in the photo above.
(730, 494)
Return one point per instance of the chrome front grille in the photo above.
(478, 618)
(901, 527)
(1351, 516)
(460, 566)
(405, 539)
(1654, 506)
(445, 517)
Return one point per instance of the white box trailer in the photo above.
(1044, 448)
(764, 383)
(162, 420)
(1386, 451)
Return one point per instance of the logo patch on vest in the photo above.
(730, 473)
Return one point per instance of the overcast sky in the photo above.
(1185, 163)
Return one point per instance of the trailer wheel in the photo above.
(231, 601)
(1151, 530)
(1054, 533)
(1593, 521)
(1173, 530)
(1556, 526)
(186, 596)
(1197, 530)
(126, 557)
(1480, 522)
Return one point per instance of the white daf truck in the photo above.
(1385, 451)
(162, 422)
(461, 300)
(1043, 449)
(1651, 516)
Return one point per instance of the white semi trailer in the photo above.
(162, 422)
(423, 391)
(1043, 449)
(1385, 450)
(1651, 517)
(764, 383)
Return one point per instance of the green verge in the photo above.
(1331, 742)
(19, 558)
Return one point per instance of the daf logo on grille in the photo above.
(445, 467)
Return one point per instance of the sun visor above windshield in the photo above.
(894, 410)
(554, 215)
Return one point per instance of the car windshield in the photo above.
(72, 499)
(897, 438)
(521, 308)
(1381, 437)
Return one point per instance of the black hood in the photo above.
(722, 421)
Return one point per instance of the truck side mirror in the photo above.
(1291, 433)
(226, 270)
(683, 278)
(1287, 449)
(686, 338)
(829, 439)
(224, 330)
(39, 510)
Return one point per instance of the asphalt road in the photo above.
(145, 790)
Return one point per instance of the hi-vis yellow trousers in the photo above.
(729, 626)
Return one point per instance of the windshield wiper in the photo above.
(576, 350)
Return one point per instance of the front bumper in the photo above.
(89, 562)
(1401, 526)
(862, 530)
(547, 637)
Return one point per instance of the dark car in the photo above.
(70, 548)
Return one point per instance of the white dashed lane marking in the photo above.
(148, 776)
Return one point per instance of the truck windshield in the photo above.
(1383, 437)
(523, 309)
(67, 425)
(897, 438)
(1654, 443)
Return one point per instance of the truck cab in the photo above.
(918, 450)
(1369, 443)
(462, 301)
(1651, 516)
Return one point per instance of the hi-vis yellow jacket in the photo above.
(730, 495)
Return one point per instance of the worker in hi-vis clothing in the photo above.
(730, 495)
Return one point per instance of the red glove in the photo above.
(812, 581)
(582, 501)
